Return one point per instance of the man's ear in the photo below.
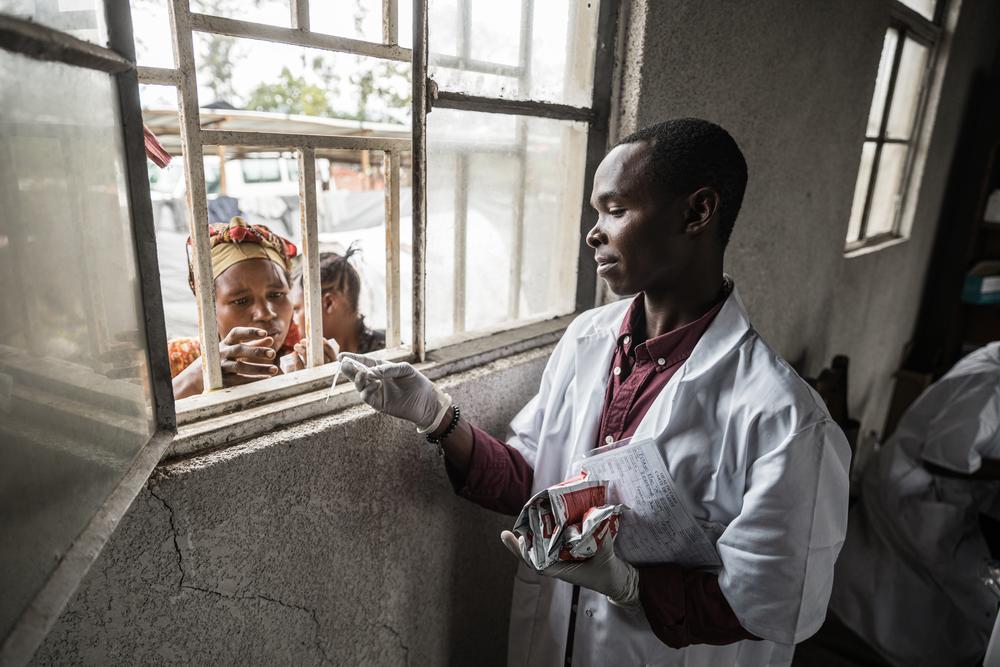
(702, 207)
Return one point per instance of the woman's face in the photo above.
(254, 293)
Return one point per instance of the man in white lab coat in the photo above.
(752, 447)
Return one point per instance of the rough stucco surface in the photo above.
(337, 541)
(792, 81)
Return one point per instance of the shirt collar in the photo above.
(672, 347)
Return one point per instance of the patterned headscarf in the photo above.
(238, 241)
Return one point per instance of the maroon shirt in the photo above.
(683, 607)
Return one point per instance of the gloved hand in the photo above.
(398, 390)
(603, 572)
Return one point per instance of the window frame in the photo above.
(250, 402)
(41, 42)
(908, 24)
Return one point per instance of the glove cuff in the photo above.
(444, 402)
(628, 597)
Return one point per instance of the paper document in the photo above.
(658, 528)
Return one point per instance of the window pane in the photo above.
(925, 7)
(882, 83)
(479, 48)
(151, 31)
(84, 19)
(358, 19)
(906, 96)
(887, 196)
(860, 191)
(272, 12)
(256, 84)
(75, 404)
(510, 164)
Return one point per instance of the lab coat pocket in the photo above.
(523, 609)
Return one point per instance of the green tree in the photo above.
(290, 94)
(216, 67)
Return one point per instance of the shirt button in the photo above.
(661, 361)
(589, 613)
(617, 371)
(609, 439)
(626, 340)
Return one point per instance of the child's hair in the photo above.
(338, 274)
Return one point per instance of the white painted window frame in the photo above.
(928, 32)
(221, 415)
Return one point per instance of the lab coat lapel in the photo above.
(723, 335)
(593, 361)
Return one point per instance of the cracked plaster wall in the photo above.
(792, 81)
(336, 541)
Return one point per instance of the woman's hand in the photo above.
(245, 355)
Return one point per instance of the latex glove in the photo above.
(603, 572)
(399, 390)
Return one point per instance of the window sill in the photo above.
(874, 244)
(230, 416)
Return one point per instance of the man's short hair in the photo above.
(690, 153)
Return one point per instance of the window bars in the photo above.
(195, 138)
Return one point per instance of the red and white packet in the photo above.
(567, 522)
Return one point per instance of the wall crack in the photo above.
(182, 584)
(402, 644)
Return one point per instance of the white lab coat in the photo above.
(908, 578)
(764, 468)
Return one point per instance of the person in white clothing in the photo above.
(908, 581)
(762, 466)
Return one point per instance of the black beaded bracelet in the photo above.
(456, 413)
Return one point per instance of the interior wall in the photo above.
(337, 541)
(792, 82)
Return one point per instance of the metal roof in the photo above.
(164, 123)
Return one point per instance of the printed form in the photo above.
(657, 528)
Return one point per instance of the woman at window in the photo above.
(250, 268)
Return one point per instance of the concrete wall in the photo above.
(338, 541)
(792, 81)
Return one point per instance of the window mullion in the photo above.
(392, 165)
(925, 86)
(390, 22)
(311, 282)
(197, 204)
(597, 144)
(517, 235)
(419, 158)
(460, 245)
(300, 15)
(883, 126)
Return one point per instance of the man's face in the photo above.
(639, 239)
